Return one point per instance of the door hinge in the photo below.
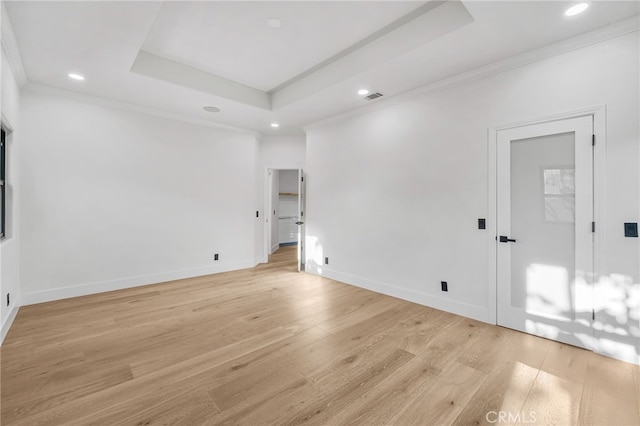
(593, 227)
(593, 314)
(302, 178)
(593, 140)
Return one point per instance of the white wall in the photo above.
(114, 198)
(10, 246)
(282, 152)
(394, 193)
(289, 181)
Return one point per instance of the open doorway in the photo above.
(285, 223)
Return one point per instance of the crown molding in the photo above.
(10, 48)
(126, 106)
(618, 29)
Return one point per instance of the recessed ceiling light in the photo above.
(275, 125)
(75, 76)
(363, 92)
(211, 109)
(274, 22)
(576, 9)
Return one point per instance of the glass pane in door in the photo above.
(543, 225)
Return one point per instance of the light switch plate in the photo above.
(631, 229)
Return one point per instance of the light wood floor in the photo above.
(270, 346)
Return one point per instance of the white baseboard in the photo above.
(275, 247)
(123, 283)
(8, 322)
(458, 308)
(623, 348)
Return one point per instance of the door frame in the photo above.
(599, 129)
(302, 206)
(268, 208)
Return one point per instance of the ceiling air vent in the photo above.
(373, 96)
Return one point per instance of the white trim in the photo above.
(8, 321)
(127, 106)
(491, 225)
(302, 207)
(11, 50)
(130, 282)
(6, 326)
(602, 344)
(615, 30)
(268, 208)
(581, 112)
(599, 200)
(6, 124)
(469, 311)
(271, 246)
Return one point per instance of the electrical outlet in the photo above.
(326, 260)
(444, 286)
(482, 224)
(216, 257)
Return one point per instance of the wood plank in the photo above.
(324, 408)
(556, 393)
(509, 381)
(610, 392)
(191, 408)
(505, 390)
(453, 389)
(382, 403)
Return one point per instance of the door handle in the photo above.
(504, 239)
(299, 223)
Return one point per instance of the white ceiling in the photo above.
(233, 40)
(176, 57)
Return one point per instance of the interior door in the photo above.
(545, 230)
(300, 222)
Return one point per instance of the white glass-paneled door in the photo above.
(545, 229)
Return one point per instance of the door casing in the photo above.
(302, 188)
(268, 209)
